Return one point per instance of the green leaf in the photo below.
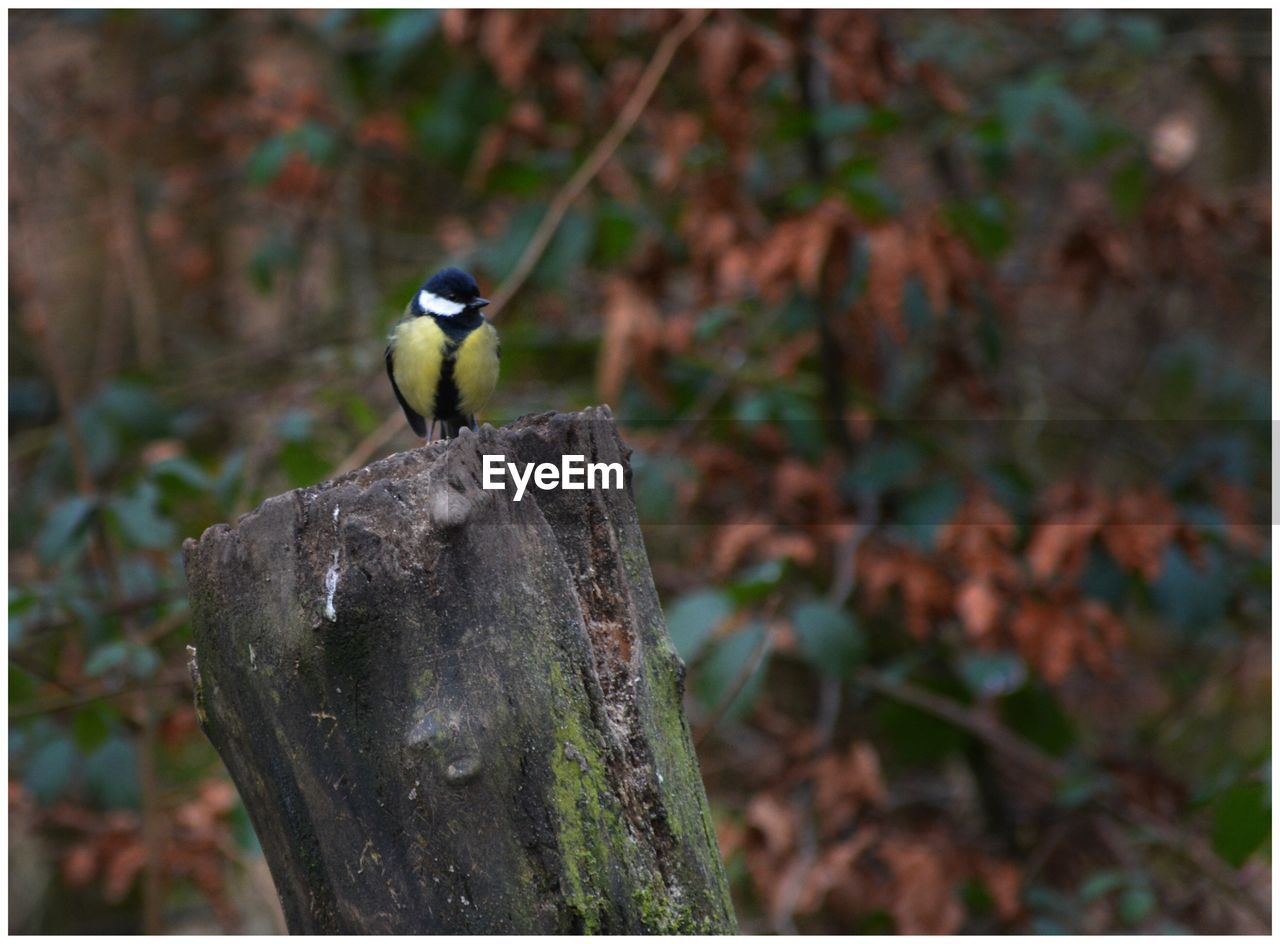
(616, 231)
(1033, 712)
(500, 255)
(184, 472)
(275, 252)
(984, 223)
(21, 606)
(1100, 884)
(1143, 33)
(1192, 596)
(1241, 822)
(988, 674)
(49, 771)
(105, 658)
(266, 161)
(318, 142)
(139, 661)
(242, 829)
(752, 408)
(884, 467)
(111, 774)
(404, 32)
(303, 464)
(22, 686)
(1074, 120)
(134, 409)
(756, 583)
(655, 478)
(1080, 786)
(64, 528)
(883, 120)
(725, 666)
(1103, 579)
(1086, 28)
(869, 193)
(569, 249)
(1129, 187)
(829, 637)
(295, 426)
(143, 662)
(916, 737)
(1136, 904)
(835, 120)
(693, 619)
(928, 509)
(140, 521)
(916, 307)
(91, 725)
(230, 480)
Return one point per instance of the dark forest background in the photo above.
(942, 341)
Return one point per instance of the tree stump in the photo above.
(447, 711)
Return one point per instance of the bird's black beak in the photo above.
(480, 303)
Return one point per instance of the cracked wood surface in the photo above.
(450, 712)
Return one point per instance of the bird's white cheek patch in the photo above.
(439, 306)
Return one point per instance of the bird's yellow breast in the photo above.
(419, 354)
(421, 349)
(475, 368)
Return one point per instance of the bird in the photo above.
(442, 356)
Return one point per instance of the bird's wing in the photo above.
(416, 420)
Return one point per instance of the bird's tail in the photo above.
(453, 425)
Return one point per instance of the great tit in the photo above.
(443, 355)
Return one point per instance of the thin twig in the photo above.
(370, 445)
(42, 329)
(604, 150)
(1189, 847)
(745, 674)
(134, 266)
(120, 608)
(556, 210)
(89, 697)
(983, 727)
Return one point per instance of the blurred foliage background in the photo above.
(942, 340)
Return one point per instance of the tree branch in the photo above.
(559, 205)
(1186, 845)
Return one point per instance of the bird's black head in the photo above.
(447, 293)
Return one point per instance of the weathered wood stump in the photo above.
(447, 711)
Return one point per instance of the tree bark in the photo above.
(448, 711)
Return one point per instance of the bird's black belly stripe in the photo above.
(448, 400)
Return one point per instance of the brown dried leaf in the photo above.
(775, 822)
(122, 868)
(927, 595)
(80, 864)
(1141, 524)
(679, 133)
(942, 88)
(1237, 509)
(979, 606)
(384, 129)
(1004, 882)
(720, 44)
(632, 332)
(456, 24)
(803, 494)
(890, 254)
(925, 902)
(509, 40)
(846, 785)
